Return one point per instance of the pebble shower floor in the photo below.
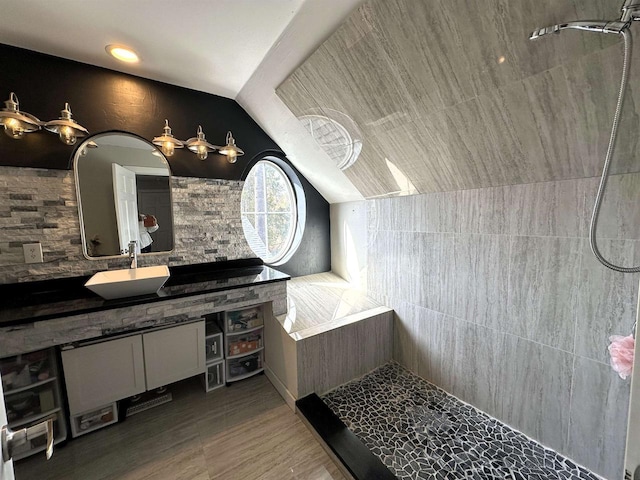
(420, 432)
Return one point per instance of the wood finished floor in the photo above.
(245, 431)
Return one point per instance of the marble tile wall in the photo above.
(38, 205)
(500, 301)
(337, 356)
(452, 95)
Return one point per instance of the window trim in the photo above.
(299, 209)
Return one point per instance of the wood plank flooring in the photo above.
(242, 432)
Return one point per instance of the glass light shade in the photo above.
(15, 122)
(203, 153)
(67, 128)
(167, 142)
(231, 150)
(122, 53)
(199, 145)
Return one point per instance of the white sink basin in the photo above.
(128, 282)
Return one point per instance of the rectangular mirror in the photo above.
(123, 184)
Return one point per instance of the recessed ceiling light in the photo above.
(122, 53)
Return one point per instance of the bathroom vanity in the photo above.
(113, 349)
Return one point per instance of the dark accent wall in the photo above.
(314, 253)
(103, 99)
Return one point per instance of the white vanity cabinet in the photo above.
(173, 354)
(102, 373)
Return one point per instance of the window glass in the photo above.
(269, 211)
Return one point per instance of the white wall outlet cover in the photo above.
(32, 252)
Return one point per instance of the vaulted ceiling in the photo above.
(432, 95)
(452, 95)
(240, 49)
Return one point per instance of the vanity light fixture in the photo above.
(231, 150)
(67, 128)
(167, 142)
(15, 122)
(122, 53)
(87, 146)
(199, 145)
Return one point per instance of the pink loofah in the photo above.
(621, 351)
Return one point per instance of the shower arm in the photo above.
(630, 13)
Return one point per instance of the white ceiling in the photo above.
(208, 45)
(241, 49)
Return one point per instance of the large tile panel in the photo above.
(547, 209)
(535, 390)
(619, 213)
(599, 405)
(543, 287)
(607, 300)
(480, 279)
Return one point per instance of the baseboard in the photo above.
(280, 388)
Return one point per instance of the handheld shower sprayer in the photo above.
(630, 12)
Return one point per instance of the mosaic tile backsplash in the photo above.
(420, 432)
(38, 205)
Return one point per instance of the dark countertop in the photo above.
(36, 301)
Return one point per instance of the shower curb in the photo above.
(356, 458)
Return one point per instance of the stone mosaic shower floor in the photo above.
(420, 432)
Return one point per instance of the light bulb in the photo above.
(231, 156)
(168, 148)
(67, 135)
(13, 129)
(202, 152)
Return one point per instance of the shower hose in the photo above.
(626, 34)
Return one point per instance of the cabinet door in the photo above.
(103, 373)
(174, 353)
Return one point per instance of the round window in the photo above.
(269, 212)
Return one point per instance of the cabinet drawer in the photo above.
(243, 367)
(245, 319)
(23, 371)
(89, 421)
(244, 343)
(39, 444)
(214, 376)
(34, 402)
(213, 348)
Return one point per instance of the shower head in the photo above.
(598, 26)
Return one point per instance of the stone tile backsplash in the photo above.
(38, 205)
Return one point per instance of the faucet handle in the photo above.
(132, 246)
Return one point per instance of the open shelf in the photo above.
(8, 393)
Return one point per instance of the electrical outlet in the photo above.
(32, 252)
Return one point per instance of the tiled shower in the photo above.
(500, 302)
(480, 156)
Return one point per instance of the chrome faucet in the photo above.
(133, 254)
